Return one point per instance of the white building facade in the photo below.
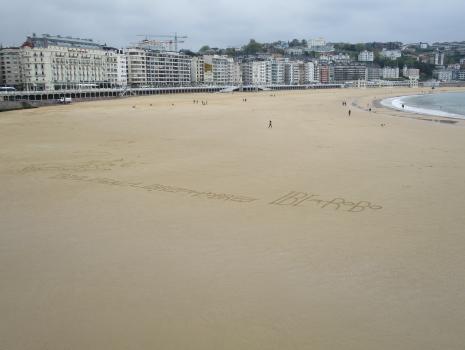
(366, 56)
(277, 71)
(309, 72)
(256, 72)
(294, 72)
(197, 70)
(116, 68)
(390, 73)
(220, 70)
(150, 68)
(411, 73)
(56, 63)
(391, 54)
(316, 42)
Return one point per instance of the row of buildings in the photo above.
(56, 63)
(452, 72)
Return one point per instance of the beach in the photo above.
(158, 223)
(437, 105)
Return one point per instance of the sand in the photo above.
(175, 225)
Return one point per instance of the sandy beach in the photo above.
(157, 223)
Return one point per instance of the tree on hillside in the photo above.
(252, 47)
(187, 52)
(231, 52)
(294, 43)
(204, 48)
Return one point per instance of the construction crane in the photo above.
(175, 39)
(158, 45)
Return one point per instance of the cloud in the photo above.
(224, 23)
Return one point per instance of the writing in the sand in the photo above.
(157, 187)
(295, 199)
(292, 199)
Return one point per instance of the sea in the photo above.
(447, 104)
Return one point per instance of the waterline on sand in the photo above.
(399, 101)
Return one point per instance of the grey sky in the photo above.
(224, 23)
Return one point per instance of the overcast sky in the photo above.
(224, 23)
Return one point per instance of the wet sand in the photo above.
(175, 225)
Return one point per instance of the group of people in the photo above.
(344, 103)
(197, 102)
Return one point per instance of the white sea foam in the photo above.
(397, 102)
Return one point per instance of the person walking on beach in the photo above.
(270, 125)
(350, 112)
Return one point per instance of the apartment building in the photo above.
(166, 68)
(374, 73)
(294, 51)
(294, 73)
(54, 63)
(437, 58)
(256, 72)
(150, 68)
(197, 70)
(444, 75)
(366, 56)
(277, 71)
(116, 67)
(309, 72)
(316, 42)
(324, 73)
(10, 68)
(219, 70)
(342, 73)
(411, 73)
(235, 72)
(339, 58)
(390, 72)
(316, 71)
(137, 67)
(391, 54)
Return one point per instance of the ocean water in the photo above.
(450, 104)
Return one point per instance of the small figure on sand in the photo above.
(403, 106)
(350, 112)
(270, 124)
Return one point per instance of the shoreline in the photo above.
(395, 103)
